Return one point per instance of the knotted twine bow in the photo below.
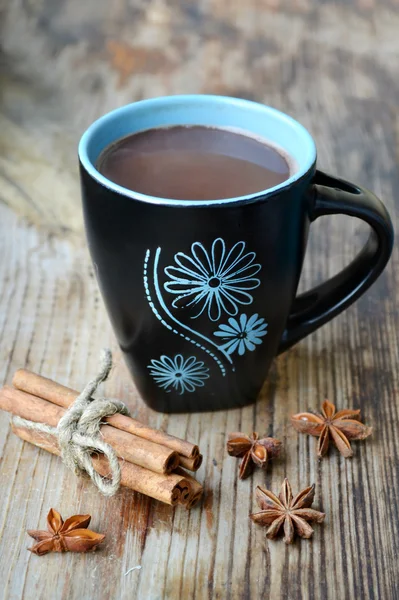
(78, 431)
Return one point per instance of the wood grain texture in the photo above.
(332, 65)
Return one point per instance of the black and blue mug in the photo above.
(202, 294)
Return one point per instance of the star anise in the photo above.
(253, 450)
(340, 427)
(284, 509)
(69, 536)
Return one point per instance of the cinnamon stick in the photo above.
(132, 448)
(165, 488)
(196, 489)
(56, 393)
(192, 464)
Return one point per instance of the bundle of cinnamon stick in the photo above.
(152, 462)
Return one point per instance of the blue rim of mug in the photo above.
(258, 119)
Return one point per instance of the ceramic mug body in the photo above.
(201, 294)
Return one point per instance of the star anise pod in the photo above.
(294, 513)
(253, 450)
(340, 427)
(69, 536)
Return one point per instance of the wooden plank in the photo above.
(333, 66)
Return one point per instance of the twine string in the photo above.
(78, 431)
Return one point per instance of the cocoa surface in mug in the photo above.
(194, 163)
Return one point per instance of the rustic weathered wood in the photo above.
(333, 65)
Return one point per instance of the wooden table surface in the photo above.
(333, 66)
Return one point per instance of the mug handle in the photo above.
(312, 309)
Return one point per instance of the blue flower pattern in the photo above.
(242, 334)
(179, 374)
(216, 282)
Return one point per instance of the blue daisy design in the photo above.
(179, 374)
(243, 334)
(215, 282)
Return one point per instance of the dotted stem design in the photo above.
(165, 324)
